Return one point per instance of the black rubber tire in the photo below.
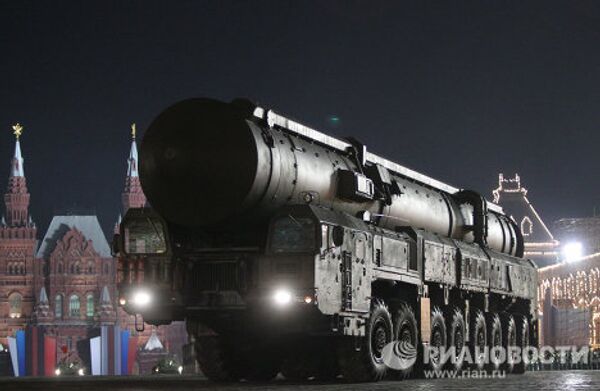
(478, 339)
(494, 333)
(262, 360)
(457, 340)
(438, 339)
(509, 340)
(405, 331)
(217, 359)
(523, 341)
(366, 363)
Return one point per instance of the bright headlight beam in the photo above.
(282, 297)
(141, 298)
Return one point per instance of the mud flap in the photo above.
(425, 320)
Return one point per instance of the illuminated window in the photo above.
(74, 306)
(15, 301)
(526, 226)
(89, 306)
(58, 304)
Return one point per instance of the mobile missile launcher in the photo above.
(288, 250)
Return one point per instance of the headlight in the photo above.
(180, 369)
(57, 372)
(141, 298)
(282, 297)
(80, 372)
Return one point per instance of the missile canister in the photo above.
(211, 164)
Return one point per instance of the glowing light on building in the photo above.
(572, 251)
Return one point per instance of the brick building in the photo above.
(18, 242)
(66, 283)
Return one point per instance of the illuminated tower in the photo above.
(132, 196)
(17, 248)
(16, 198)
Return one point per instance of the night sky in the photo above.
(459, 90)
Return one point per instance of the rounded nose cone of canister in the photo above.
(198, 161)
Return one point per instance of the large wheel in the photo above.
(438, 340)
(494, 341)
(478, 340)
(406, 340)
(522, 342)
(363, 360)
(456, 340)
(509, 339)
(217, 359)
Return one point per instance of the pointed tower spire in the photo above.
(106, 314)
(133, 196)
(43, 296)
(132, 162)
(105, 297)
(16, 198)
(17, 169)
(118, 224)
(42, 308)
(153, 343)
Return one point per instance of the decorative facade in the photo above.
(79, 280)
(65, 285)
(572, 286)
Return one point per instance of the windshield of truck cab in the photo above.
(292, 234)
(144, 235)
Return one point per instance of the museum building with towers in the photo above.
(64, 282)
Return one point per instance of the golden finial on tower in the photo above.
(17, 130)
(133, 130)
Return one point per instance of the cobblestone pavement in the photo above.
(554, 380)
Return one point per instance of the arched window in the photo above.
(72, 268)
(89, 308)
(10, 268)
(14, 301)
(58, 306)
(22, 269)
(106, 268)
(60, 267)
(526, 226)
(77, 268)
(90, 268)
(74, 306)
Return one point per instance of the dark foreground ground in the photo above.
(566, 380)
